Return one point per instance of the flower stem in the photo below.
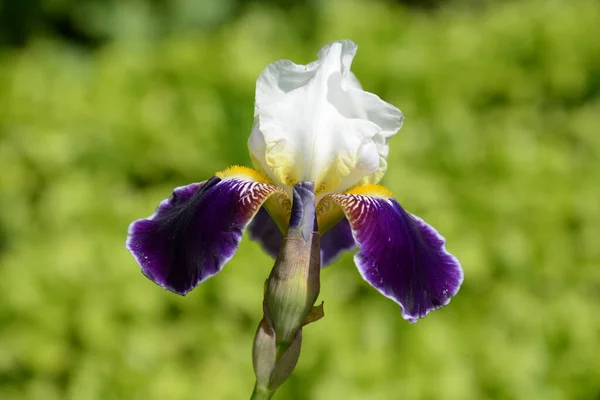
(261, 394)
(290, 294)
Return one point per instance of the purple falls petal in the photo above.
(401, 256)
(334, 242)
(195, 232)
(265, 231)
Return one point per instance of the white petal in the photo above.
(315, 123)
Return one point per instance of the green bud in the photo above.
(270, 370)
(264, 354)
(290, 293)
(294, 285)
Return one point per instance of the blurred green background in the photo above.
(106, 106)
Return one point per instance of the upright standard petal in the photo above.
(198, 229)
(400, 255)
(333, 242)
(315, 123)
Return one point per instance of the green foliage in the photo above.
(500, 152)
(93, 22)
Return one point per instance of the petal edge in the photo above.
(400, 255)
(195, 232)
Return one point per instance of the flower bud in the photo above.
(272, 369)
(293, 286)
(290, 293)
(263, 354)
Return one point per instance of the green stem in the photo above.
(261, 394)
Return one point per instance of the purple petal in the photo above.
(265, 231)
(333, 242)
(195, 232)
(401, 256)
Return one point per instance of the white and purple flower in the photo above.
(313, 123)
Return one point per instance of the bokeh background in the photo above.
(106, 106)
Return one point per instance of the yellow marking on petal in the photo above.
(329, 209)
(284, 166)
(376, 176)
(322, 187)
(237, 171)
(258, 166)
(279, 208)
(329, 213)
(372, 190)
(330, 176)
(278, 204)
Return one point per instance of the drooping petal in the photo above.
(197, 230)
(315, 123)
(266, 232)
(336, 241)
(400, 255)
(333, 242)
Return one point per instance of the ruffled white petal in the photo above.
(315, 123)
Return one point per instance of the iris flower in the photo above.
(312, 124)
